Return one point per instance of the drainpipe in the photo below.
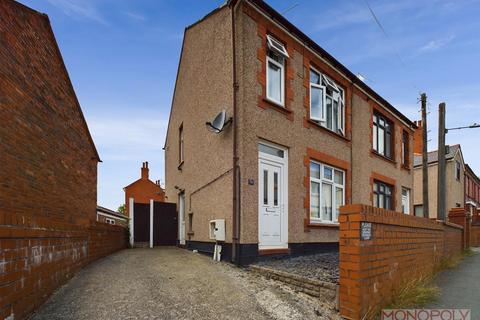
(236, 168)
(351, 140)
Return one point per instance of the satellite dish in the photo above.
(219, 123)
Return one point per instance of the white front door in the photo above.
(181, 220)
(272, 210)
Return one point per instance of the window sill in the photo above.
(320, 127)
(180, 166)
(314, 225)
(405, 167)
(277, 106)
(375, 153)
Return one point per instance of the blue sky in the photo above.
(122, 57)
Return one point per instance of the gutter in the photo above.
(236, 168)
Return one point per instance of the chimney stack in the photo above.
(145, 170)
(418, 138)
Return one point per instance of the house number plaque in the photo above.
(365, 231)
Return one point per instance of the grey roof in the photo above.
(113, 213)
(433, 155)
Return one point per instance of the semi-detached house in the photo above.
(307, 137)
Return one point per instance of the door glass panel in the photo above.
(314, 199)
(270, 150)
(265, 187)
(326, 202)
(275, 188)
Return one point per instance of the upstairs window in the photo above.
(382, 195)
(457, 170)
(382, 135)
(180, 145)
(327, 105)
(276, 58)
(405, 149)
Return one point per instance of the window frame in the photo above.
(458, 169)
(337, 96)
(405, 148)
(408, 196)
(377, 192)
(376, 136)
(415, 207)
(282, 78)
(320, 181)
(110, 221)
(181, 145)
(275, 45)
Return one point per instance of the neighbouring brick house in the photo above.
(111, 217)
(307, 137)
(48, 168)
(143, 190)
(472, 194)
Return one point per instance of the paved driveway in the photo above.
(172, 283)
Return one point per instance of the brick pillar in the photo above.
(463, 218)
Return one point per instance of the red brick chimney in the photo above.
(418, 138)
(145, 170)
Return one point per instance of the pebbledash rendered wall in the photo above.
(400, 249)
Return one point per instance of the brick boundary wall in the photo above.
(402, 248)
(475, 236)
(463, 218)
(38, 255)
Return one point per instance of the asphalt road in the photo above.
(172, 283)
(460, 287)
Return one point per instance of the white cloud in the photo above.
(436, 44)
(135, 16)
(79, 8)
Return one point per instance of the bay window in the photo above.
(327, 192)
(382, 135)
(276, 58)
(327, 105)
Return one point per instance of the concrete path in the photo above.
(172, 283)
(461, 286)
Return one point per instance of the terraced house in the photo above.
(302, 136)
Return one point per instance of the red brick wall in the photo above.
(402, 248)
(48, 168)
(48, 161)
(475, 239)
(38, 255)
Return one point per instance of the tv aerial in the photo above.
(219, 123)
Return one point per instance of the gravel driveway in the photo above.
(172, 283)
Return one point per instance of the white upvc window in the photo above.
(276, 57)
(109, 221)
(405, 200)
(327, 105)
(327, 192)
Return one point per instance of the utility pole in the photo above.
(441, 188)
(423, 98)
